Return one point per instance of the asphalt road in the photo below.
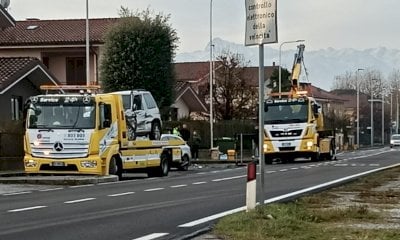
(172, 207)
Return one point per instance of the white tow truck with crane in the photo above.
(294, 123)
(85, 133)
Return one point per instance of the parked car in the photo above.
(186, 157)
(142, 112)
(395, 140)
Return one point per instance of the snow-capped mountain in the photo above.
(322, 65)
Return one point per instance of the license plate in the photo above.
(58, 164)
(286, 144)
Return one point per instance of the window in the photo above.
(16, 108)
(150, 101)
(76, 71)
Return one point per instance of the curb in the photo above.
(22, 178)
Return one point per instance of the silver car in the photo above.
(395, 140)
(184, 162)
(143, 114)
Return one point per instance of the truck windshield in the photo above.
(61, 115)
(284, 111)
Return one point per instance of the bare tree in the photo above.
(235, 97)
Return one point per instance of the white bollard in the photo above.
(251, 186)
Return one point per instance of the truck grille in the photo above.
(290, 133)
(60, 150)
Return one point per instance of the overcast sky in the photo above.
(358, 24)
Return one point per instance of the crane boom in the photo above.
(296, 70)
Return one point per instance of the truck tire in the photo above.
(184, 166)
(155, 133)
(162, 170)
(315, 157)
(115, 168)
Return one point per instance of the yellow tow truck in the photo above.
(86, 133)
(294, 124)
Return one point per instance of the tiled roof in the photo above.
(196, 71)
(55, 32)
(13, 68)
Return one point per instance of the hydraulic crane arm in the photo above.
(296, 70)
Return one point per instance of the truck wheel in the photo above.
(184, 166)
(115, 168)
(315, 157)
(161, 170)
(155, 133)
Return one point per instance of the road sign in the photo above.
(261, 22)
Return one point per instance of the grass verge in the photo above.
(358, 210)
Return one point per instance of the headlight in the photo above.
(309, 144)
(265, 147)
(89, 164)
(30, 163)
(391, 142)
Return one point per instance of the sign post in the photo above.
(261, 28)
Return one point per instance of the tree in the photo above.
(285, 80)
(138, 53)
(234, 97)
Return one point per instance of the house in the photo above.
(20, 78)
(59, 44)
(195, 76)
(61, 47)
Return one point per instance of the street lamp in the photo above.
(358, 108)
(87, 45)
(372, 111)
(211, 81)
(280, 73)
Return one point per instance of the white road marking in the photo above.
(201, 173)
(197, 183)
(81, 186)
(16, 193)
(228, 178)
(80, 200)
(283, 170)
(288, 195)
(152, 236)
(294, 168)
(341, 165)
(178, 186)
(153, 189)
(50, 189)
(270, 172)
(26, 209)
(120, 194)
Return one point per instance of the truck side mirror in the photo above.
(265, 107)
(315, 110)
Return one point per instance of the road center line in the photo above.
(26, 209)
(50, 189)
(153, 189)
(81, 186)
(178, 186)
(198, 183)
(16, 193)
(152, 236)
(120, 194)
(80, 200)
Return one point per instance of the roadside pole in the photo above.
(261, 28)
